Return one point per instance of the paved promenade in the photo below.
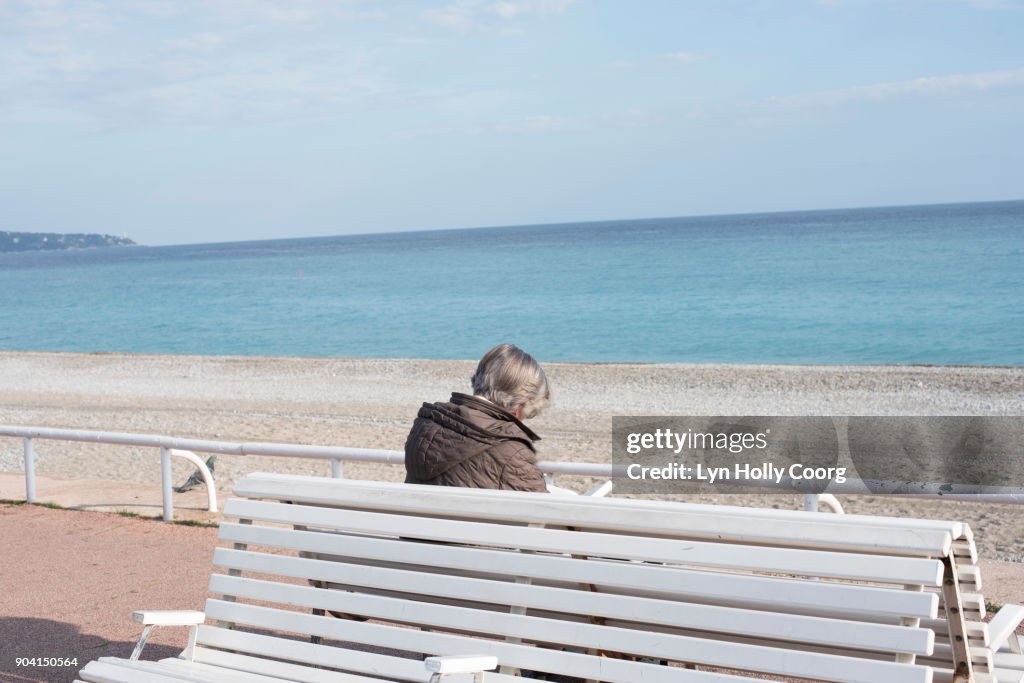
(69, 581)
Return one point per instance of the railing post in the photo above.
(30, 472)
(336, 468)
(810, 502)
(165, 483)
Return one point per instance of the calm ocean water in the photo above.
(933, 284)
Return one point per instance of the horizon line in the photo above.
(385, 233)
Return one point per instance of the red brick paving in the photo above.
(69, 581)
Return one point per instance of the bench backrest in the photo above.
(566, 585)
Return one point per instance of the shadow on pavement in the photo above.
(28, 638)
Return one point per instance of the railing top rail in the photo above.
(346, 453)
(352, 454)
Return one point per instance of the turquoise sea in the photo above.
(924, 284)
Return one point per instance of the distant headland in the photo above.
(48, 241)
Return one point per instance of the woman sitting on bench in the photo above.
(480, 441)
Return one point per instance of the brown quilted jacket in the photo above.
(473, 443)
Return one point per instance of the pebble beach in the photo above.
(371, 403)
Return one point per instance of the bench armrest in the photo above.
(168, 617)
(1002, 627)
(461, 664)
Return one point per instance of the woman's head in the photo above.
(511, 378)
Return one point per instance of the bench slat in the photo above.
(819, 598)
(976, 630)
(526, 657)
(1009, 660)
(115, 670)
(108, 670)
(718, 522)
(648, 644)
(306, 655)
(329, 491)
(222, 660)
(966, 550)
(969, 575)
(856, 635)
(830, 564)
(195, 671)
(258, 671)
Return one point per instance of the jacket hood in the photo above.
(446, 434)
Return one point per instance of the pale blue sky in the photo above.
(179, 121)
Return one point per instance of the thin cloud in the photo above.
(683, 57)
(782, 109)
(541, 123)
(927, 86)
(509, 10)
(995, 4)
(201, 41)
(110, 65)
(464, 16)
(678, 58)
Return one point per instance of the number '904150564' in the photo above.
(46, 661)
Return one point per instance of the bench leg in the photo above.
(141, 644)
(963, 670)
(190, 650)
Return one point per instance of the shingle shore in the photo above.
(371, 403)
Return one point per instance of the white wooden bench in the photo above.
(519, 581)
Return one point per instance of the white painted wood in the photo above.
(168, 617)
(461, 663)
(714, 522)
(969, 575)
(203, 672)
(105, 671)
(352, 491)
(883, 568)
(966, 550)
(269, 485)
(522, 656)
(755, 591)
(1008, 660)
(303, 657)
(227, 664)
(794, 647)
(1004, 624)
(297, 673)
(979, 655)
(797, 628)
(647, 644)
(1000, 676)
(111, 670)
(137, 651)
(973, 604)
(977, 631)
(781, 593)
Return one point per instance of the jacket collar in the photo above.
(493, 410)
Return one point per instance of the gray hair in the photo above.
(511, 378)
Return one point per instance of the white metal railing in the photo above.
(187, 448)
(337, 455)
